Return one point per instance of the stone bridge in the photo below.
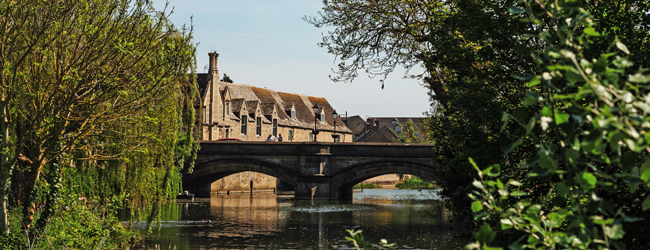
(324, 170)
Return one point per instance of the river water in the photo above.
(410, 218)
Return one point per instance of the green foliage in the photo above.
(366, 185)
(414, 183)
(97, 103)
(410, 133)
(76, 224)
(226, 78)
(360, 243)
(590, 138)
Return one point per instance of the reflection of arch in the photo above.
(215, 169)
(342, 182)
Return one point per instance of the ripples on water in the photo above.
(409, 218)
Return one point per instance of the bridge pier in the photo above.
(319, 186)
(282, 186)
(200, 189)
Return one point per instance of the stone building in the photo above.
(379, 129)
(251, 113)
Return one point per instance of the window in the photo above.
(311, 136)
(322, 117)
(227, 113)
(244, 122)
(275, 127)
(293, 114)
(290, 136)
(259, 125)
(227, 133)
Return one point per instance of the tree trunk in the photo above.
(5, 169)
(439, 89)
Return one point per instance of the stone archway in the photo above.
(199, 181)
(341, 183)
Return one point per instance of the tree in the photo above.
(466, 50)
(226, 78)
(378, 36)
(473, 48)
(89, 83)
(409, 133)
(592, 145)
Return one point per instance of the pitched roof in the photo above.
(252, 105)
(236, 105)
(267, 108)
(266, 99)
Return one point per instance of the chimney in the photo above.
(213, 71)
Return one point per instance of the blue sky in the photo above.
(267, 44)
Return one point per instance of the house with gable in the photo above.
(250, 113)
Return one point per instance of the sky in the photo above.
(267, 44)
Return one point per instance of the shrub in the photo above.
(592, 147)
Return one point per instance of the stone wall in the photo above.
(241, 181)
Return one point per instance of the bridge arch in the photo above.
(214, 169)
(343, 181)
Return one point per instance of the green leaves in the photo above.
(614, 231)
(646, 204)
(591, 31)
(360, 243)
(587, 180)
(515, 10)
(477, 206)
(485, 234)
(587, 113)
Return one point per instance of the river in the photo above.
(410, 218)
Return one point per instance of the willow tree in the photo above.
(91, 81)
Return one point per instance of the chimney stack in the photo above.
(214, 56)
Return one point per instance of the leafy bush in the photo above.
(414, 183)
(592, 147)
(76, 225)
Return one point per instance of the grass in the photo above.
(366, 185)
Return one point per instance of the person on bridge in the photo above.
(270, 138)
(280, 138)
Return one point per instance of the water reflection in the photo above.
(406, 217)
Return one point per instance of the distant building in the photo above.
(379, 129)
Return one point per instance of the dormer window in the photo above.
(322, 117)
(293, 114)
